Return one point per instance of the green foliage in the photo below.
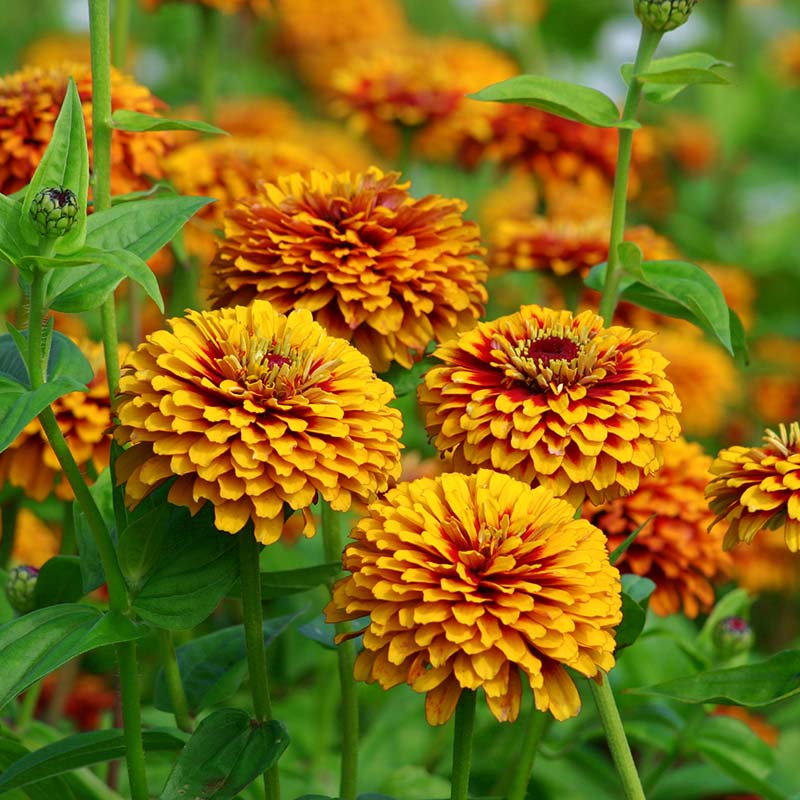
(665, 78)
(567, 100)
(60, 581)
(91, 564)
(12, 752)
(282, 583)
(226, 753)
(636, 592)
(124, 119)
(405, 381)
(38, 643)
(79, 750)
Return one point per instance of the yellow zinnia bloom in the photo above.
(553, 399)
(254, 410)
(372, 263)
(759, 487)
(470, 580)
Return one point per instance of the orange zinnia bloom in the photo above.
(674, 549)
(469, 580)
(759, 487)
(254, 410)
(553, 399)
(373, 264)
(29, 104)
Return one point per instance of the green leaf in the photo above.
(213, 666)
(636, 592)
(64, 163)
(11, 246)
(619, 551)
(630, 256)
(678, 289)
(568, 100)
(731, 746)
(91, 564)
(751, 685)
(665, 78)
(65, 359)
(195, 569)
(124, 120)
(140, 544)
(226, 753)
(293, 581)
(59, 581)
(39, 642)
(47, 789)
(80, 750)
(405, 381)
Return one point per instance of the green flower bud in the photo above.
(732, 635)
(54, 211)
(663, 15)
(20, 588)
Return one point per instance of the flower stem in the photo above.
(8, 528)
(530, 744)
(345, 653)
(132, 716)
(250, 575)
(209, 65)
(617, 741)
(172, 676)
(647, 46)
(28, 707)
(119, 33)
(462, 745)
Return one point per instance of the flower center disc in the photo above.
(552, 348)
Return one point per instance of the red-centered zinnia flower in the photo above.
(759, 487)
(252, 410)
(29, 104)
(553, 399)
(469, 580)
(372, 263)
(674, 549)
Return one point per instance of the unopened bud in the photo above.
(20, 588)
(54, 211)
(733, 635)
(663, 15)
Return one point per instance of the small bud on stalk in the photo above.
(663, 15)
(732, 635)
(20, 588)
(54, 211)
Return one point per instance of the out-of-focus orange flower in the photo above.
(776, 390)
(785, 51)
(55, 48)
(247, 117)
(757, 488)
(674, 549)
(470, 580)
(34, 540)
(764, 565)
(372, 263)
(29, 104)
(738, 287)
(89, 696)
(758, 724)
(84, 418)
(553, 399)
(690, 141)
(513, 12)
(252, 410)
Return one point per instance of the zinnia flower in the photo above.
(251, 410)
(373, 264)
(763, 565)
(29, 104)
(469, 580)
(776, 390)
(84, 418)
(674, 549)
(35, 541)
(759, 487)
(553, 399)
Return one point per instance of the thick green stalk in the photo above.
(345, 652)
(210, 48)
(172, 676)
(132, 716)
(28, 707)
(8, 527)
(530, 744)
(250, 575)
(462, 745)
(617, 741)
(120, 28)
(647, 47)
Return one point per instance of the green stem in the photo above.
(462, 745)
(28, 707)
(696, 715)
(211, 46)
(120, 27)
(172, 676)
(345, 652)
(132, 716)
(617, 741)
(250, 574)
(8, 528)
(530, 744)
(647, 46)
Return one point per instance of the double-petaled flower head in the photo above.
(373, 264)
(469, 580)
(253, 411)
(757, 488)
(553, 399)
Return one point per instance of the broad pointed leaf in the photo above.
(47, 789)
(125, 120)
(636, 592)
(59, 581)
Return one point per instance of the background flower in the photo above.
(252, 410)
(470, 579)
(373, 264)
(553, 399)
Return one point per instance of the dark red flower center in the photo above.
(277, 360)
(551, 348)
